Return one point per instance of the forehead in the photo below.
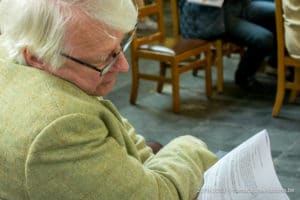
(86, 33)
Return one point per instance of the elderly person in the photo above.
(59, 139)
(291, 9)
(244, 22)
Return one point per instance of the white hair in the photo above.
(39, 25)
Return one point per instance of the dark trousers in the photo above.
(255, 29)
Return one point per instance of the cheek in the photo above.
(105, 88)
(90, 80)
(105, 85)
(94, 79)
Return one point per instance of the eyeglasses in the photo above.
(111, 59)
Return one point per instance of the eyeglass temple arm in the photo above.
(82, 63)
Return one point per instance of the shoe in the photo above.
(155, 146)
(147, 24)
(289, 73)
(270, 70)
(249, 84)
(252, 85)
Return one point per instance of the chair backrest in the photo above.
(155, 10)
(175, 16)
(280, 29)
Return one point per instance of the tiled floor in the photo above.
(223, 121)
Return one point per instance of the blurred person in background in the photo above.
(244, 22)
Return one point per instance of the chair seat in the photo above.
(172, 47)
(175, 53)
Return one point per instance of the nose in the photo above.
(121, 65)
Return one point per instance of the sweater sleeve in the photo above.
(75, 158)
(144, 151)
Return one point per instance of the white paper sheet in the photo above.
(245, 173)
(216, 3)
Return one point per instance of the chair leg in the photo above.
(293, 96)
(195, 70)
(219, 64)
(208, 74)
(295, 92)
(175, 88)
(280, 90)
(278, 102)
(162, 73)
(135, 81)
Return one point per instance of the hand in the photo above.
(155, 146)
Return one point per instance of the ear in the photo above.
(32, 60)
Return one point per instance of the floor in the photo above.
(223, 121)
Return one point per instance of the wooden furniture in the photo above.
(177, 54)
(284, 61)
(220, 49)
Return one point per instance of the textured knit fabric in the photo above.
(58, 143)
(291, 9)
(206, 22)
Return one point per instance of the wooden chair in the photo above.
(176, 53)
(220, 48)
(284, 61)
